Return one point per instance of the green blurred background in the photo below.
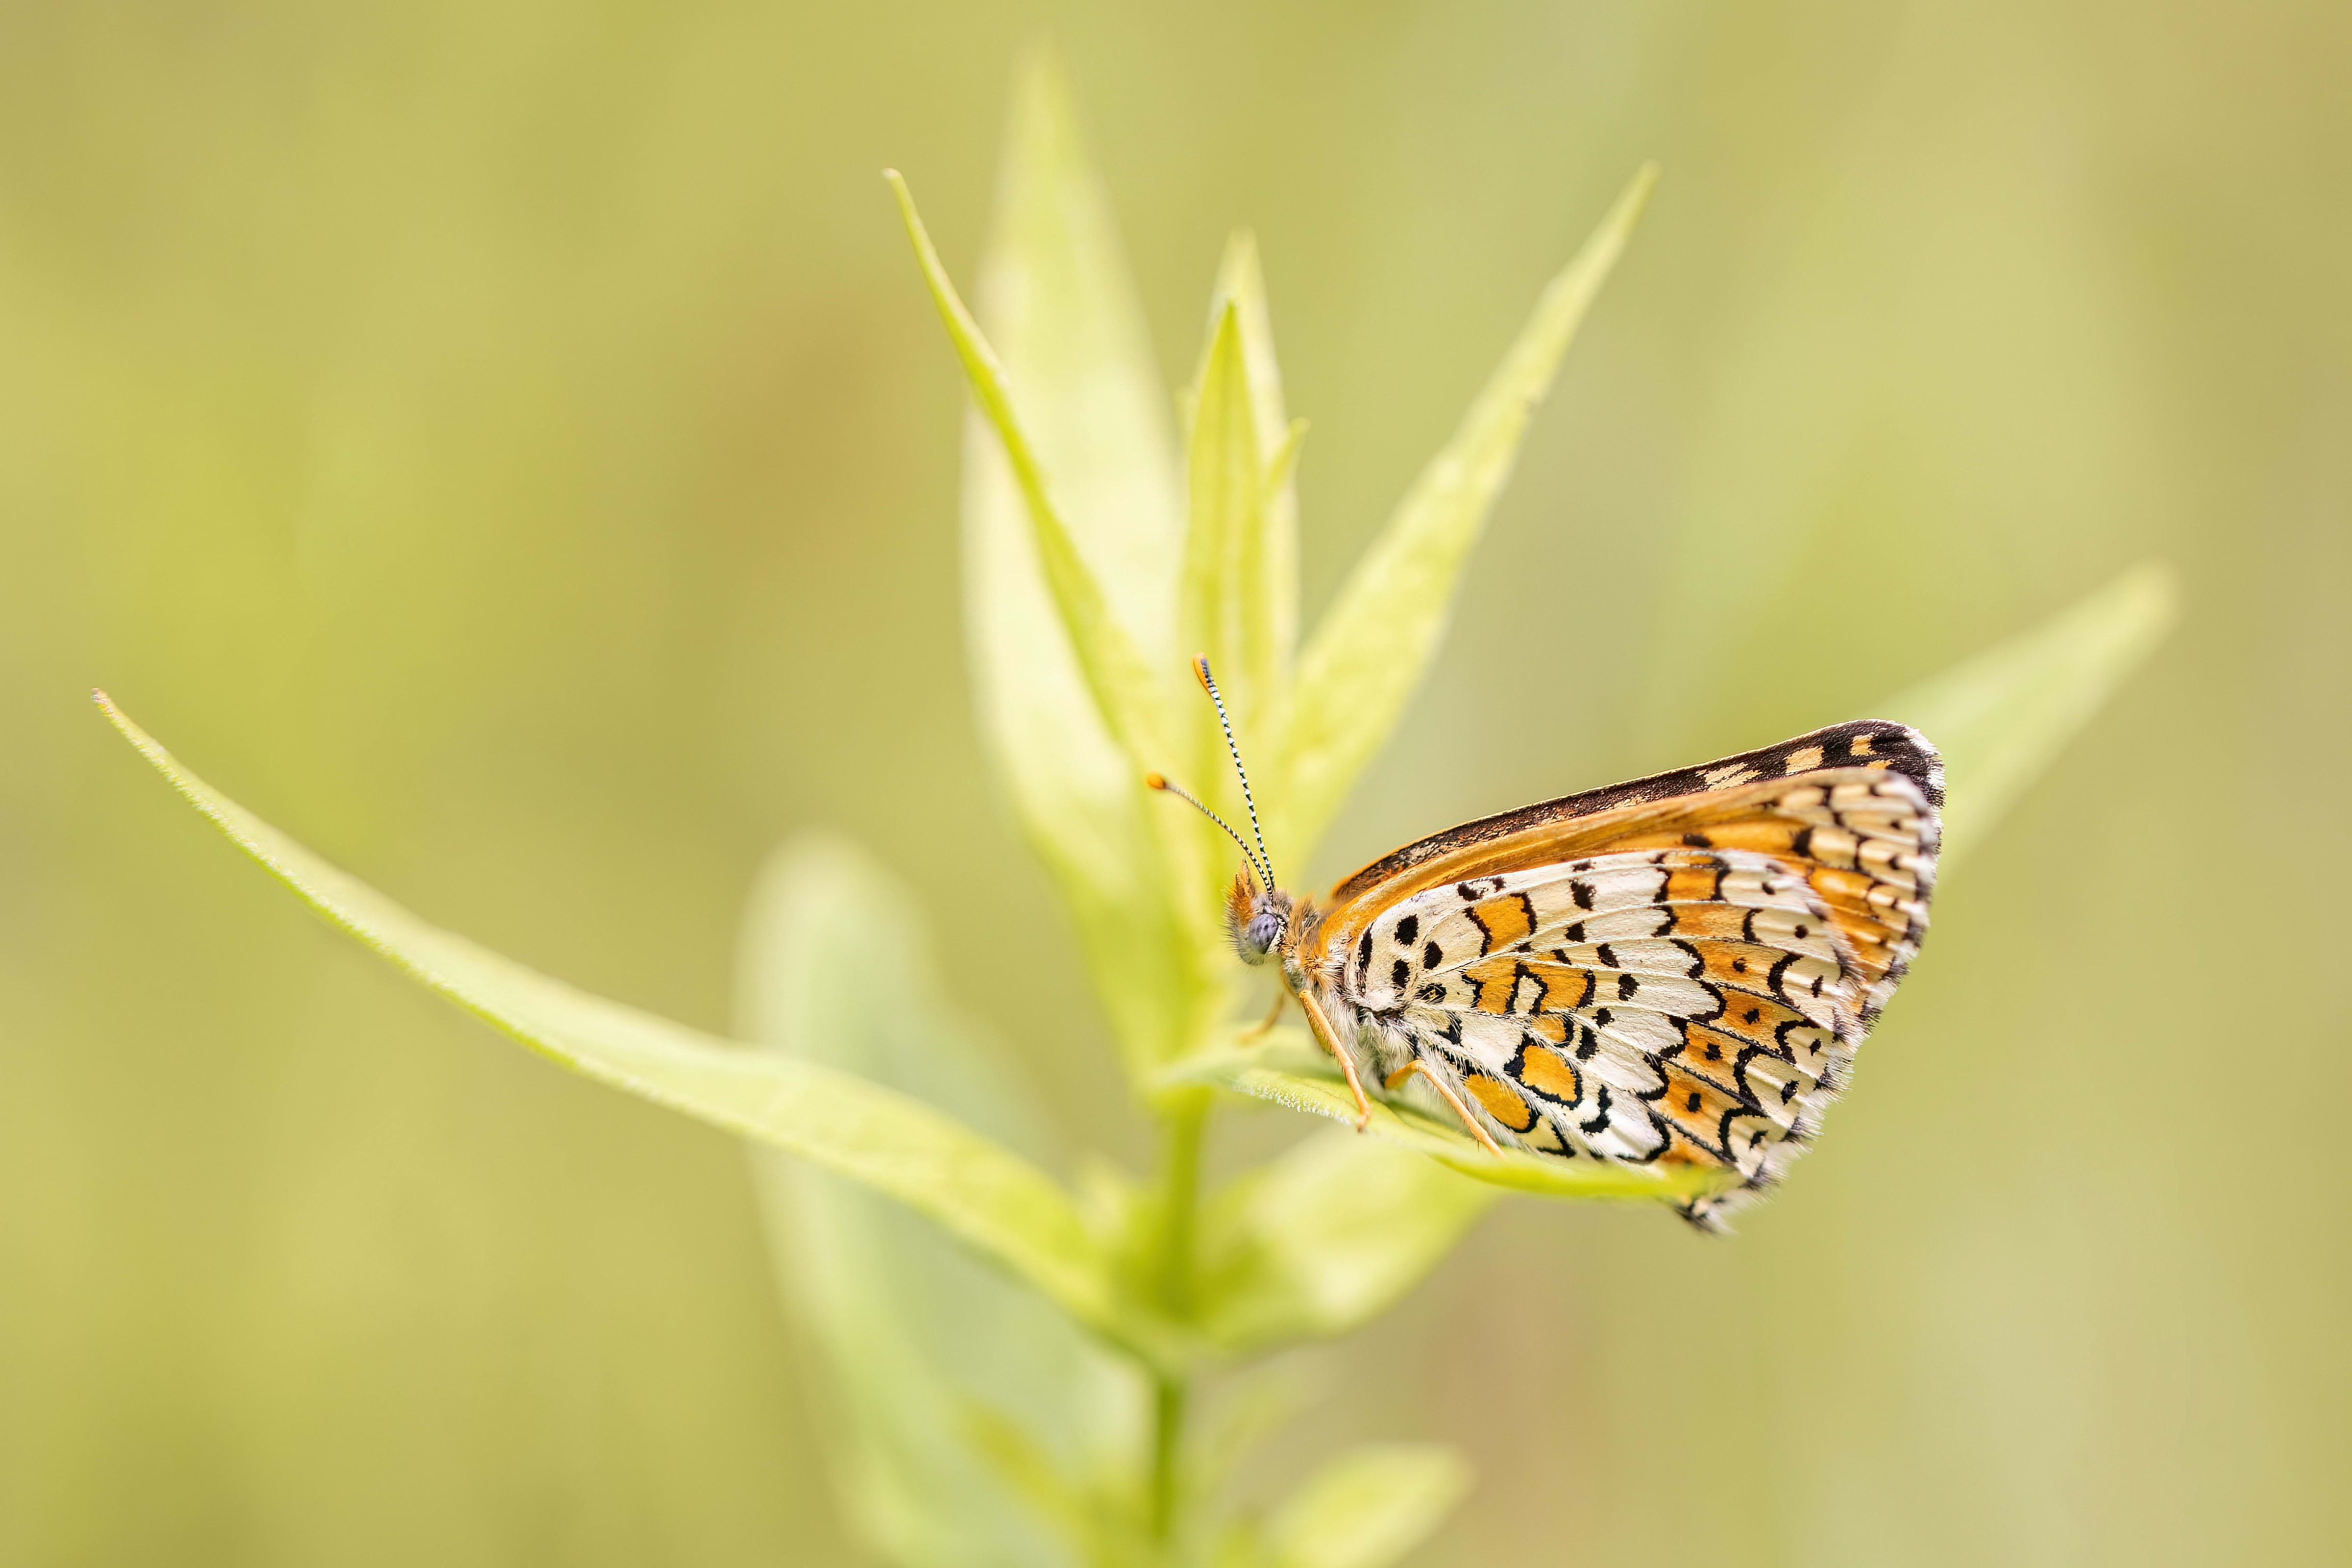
(507, 444)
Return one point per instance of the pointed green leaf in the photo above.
(1241, 285)
(2002, 718)
(923, 1348)
(1224, 610)
(1127, 692)
(1369, 1507)
(1287, 1071)
(999, 1204)
(1055, 297)
(1369, 653)
(1327, 1236)
(1055, 300)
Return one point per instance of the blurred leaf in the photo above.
(1369, 1507)
(1021, 1467)
(1241, 286)
(2002, 718)
(1225, 612)
(1248, 1411)
(1326, 1236)
(1288, 1072)
(1369, 653)
(998, 1203)
(1055, 294)
(926, 1352)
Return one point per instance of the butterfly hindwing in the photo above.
(1681, 978)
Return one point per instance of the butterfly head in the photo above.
(1256, 919)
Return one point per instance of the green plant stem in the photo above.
(1166, 1440)
(1184, 1119)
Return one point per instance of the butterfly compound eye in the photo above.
(1258, 937)
(1255, 920)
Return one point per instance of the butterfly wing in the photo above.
(1675, 970)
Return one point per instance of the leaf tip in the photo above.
(1237, 269)
(1636, 196)
(1039, 66)
(115, 716)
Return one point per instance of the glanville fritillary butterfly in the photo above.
(1675, 970)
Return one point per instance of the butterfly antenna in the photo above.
(1208, 684)
(1161, 783)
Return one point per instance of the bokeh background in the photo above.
(506, 443)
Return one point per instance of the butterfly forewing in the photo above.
(1676, 970)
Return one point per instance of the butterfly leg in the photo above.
(1397, 1079)
(1272, 1016)
(1329, 1039)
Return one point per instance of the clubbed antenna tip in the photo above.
(1256, 869)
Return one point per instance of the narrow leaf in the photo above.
(1001, 1205)
(1126, 689)
(1373, 644)
(2002, 718)
(1288, 1072)
(1224, 613)
(1055, 297)
(1056, 302)
(1369, 1507)
(1327, 1236)
(1241, 285)
(936, 1366)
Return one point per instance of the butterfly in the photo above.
(1672, 971)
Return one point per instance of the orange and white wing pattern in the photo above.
(1675, 970)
